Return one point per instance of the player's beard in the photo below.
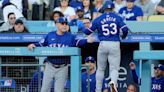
(80, 16)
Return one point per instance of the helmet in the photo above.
(130, 0)
(160, 67)
(108, 4)
(90, 58)
(61, 20)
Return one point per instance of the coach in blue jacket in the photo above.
(57, 66)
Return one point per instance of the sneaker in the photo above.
(112, 87)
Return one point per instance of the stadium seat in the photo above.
(40, 29)
(156, 18)
(145, 18)
(36, 23)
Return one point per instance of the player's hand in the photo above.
(31, 47)
(132, 66)
(123, 37)
(90, 39)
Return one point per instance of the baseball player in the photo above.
(57, 67)
(90, 61)
(108, 26)
(157, 81)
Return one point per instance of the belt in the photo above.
(58, 66)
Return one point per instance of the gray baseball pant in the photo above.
(107, 50)
(60, 76)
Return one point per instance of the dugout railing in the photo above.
(73, 52)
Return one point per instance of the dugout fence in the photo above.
(73, 52)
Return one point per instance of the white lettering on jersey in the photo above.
(156, 86)
(128, 15)
(108, 19)
(58, 45)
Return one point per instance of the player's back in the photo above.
(108, 25)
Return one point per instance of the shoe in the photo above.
(113, 87)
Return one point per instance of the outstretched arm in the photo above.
(91, 29)
(134, 74)
(81, 42)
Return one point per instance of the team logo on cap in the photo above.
(109, 6)
(90, 58)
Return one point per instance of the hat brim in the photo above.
(79, 10)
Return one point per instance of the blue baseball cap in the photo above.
(79, 8)
(90, 58)
(130, 0)
(61, 20)
(18, 21)
(108, 4)
(160, 67)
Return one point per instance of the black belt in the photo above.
(58, 66)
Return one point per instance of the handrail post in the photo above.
(145, 72)
(75, 73)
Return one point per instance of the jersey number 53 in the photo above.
(106, 31)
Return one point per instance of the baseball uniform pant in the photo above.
(107, 50)
(60, 76)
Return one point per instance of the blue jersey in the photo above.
(108, 26)
(131, 14)
(52, 39)
(157, 84)
(92, 82)
(78, 23)
(65, 40)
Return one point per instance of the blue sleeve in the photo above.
(81, 42)
(91, 29)
(42, 42)
(120, 11)
(78, 42)
(140, 12)
(135, 77)
(123, 27)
